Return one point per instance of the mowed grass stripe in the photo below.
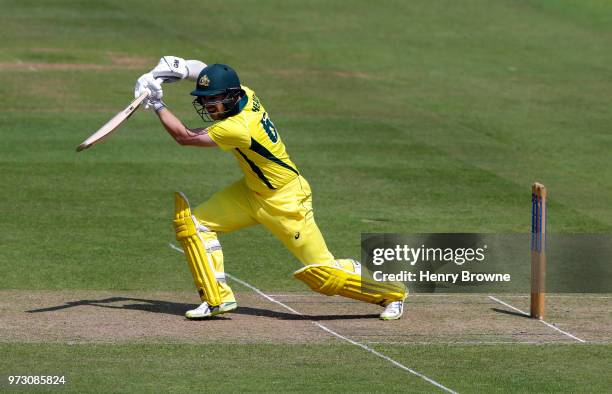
(475, 170)
(308, 368)
(209, 368)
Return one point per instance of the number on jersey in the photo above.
(269, 127)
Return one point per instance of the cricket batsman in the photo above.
(272, 192)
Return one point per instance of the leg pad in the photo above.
(339, 278)
(200, 263)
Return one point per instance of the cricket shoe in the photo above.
(205, 311)
(393, 311)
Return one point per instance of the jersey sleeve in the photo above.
(230, 134)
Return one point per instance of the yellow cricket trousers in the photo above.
(287, 212)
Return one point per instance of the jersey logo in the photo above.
(297, 235)
(269, 128)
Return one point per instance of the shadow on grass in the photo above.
(179, 308)
(507, 312)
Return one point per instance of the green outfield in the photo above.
(405, 116)
(291, 368)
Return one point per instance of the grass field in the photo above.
(405, 116)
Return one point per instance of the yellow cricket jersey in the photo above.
(256, 144)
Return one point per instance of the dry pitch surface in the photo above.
(119, 317)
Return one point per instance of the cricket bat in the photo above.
(114, 123)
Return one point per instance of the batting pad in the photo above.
(337, 280)
(194, 246)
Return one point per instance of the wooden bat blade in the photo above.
(113, 124)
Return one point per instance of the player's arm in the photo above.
(152, 82)
(182, 134)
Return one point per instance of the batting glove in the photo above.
(171, 69)
(147, 82)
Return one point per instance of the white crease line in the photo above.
(324, 328)
(173, 246)
(461, 343)
(542, 321)
(456, 295)
(572, 296)
(286, 295)
(492, 343)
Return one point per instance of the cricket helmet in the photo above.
(214, 80)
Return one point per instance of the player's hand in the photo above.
(141, 85)
(171, 69)
(147, 82)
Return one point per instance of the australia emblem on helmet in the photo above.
(204, 81)
(215, 79)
